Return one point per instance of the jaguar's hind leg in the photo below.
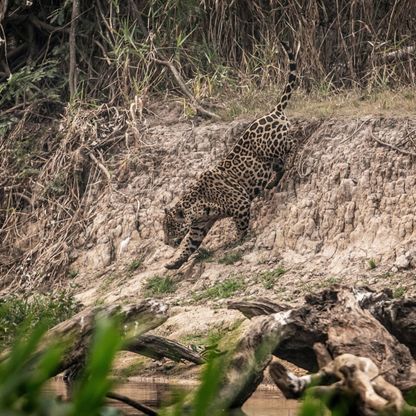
(191, 243)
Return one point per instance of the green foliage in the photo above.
(6, 124)
(268, 278)
(57, 186)
(314, 405)
(23, 376)
(221, 290)
(159, 286)
(28, 83)
(93, 386)
(20, 314)
(231, 258)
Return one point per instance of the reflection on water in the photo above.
(153, 394)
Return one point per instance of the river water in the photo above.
(153, 393)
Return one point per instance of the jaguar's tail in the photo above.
(291, 79)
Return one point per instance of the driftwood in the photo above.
(356, 382)
(156, 347)
(345, 337)
(398, 316)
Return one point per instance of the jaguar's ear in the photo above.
(179, 214)
(166, 211)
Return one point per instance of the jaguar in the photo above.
(255, 162)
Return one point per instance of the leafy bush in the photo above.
(28, 83)
(19, 314)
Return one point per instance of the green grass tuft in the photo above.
(221, 290)
(268, 278)
(372, 264)
(159, 286)
(399, 292)
(135, 264)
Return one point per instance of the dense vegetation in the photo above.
(109, 50)
(19, 315)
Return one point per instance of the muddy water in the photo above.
(154, 393)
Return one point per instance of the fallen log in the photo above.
(336, 319)
(398, 316)
(156, 347)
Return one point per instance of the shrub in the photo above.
(19, 315)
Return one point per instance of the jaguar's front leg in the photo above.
(274, 181)
(242, 222)
(190, 244)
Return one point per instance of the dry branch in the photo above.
(133, 403)
(403, 53)
(391, 146)
(257, 308)
(185, 89)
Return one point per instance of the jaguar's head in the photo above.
(174, 228)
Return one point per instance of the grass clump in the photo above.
(159, 286)
(268, 278)
(231, 258)
(221, 290)
(372, 264)
(399, 292)
(134, 265)
(19, 315)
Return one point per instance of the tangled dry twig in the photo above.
(49, 196)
